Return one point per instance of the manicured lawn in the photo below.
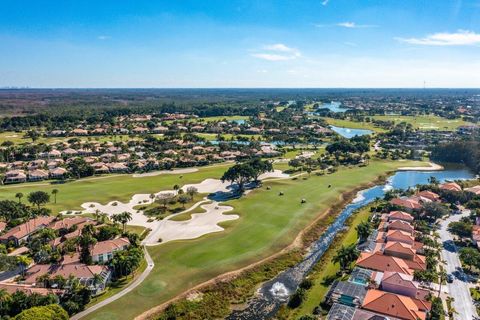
(428, 122)
(268, 223)
(109, 187)
(18, 138)
(188, 215)
(227, 136)
(219, 118)
(353, 124)
(317, 293)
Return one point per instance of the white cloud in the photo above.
(272, 57)
(277, 52)
(353, 25)
(459, 38)
(325, 2)
(346, 24)
(103, 37)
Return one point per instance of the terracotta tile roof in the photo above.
(78, 270)
(13, 287)
(400, 225)
(400, 215)
(399, 247)
(379, 262)
(27, 228)
(475, 189)
(400, 236)
(401, 280)
(451, 186)
(67, 223)
(396, 305)
(406, 203)
(429, 195)
(109, 246)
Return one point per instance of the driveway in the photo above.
(120, 294)
(459, 288)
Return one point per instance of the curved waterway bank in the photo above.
(276, 292)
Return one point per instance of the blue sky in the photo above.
(239, 43)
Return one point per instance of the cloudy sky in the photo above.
(240, 43)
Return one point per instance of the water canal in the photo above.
(277, 291)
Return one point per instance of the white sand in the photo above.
(432, 167)
(157, 173)
(199, 225)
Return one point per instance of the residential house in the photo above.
(103, 251)
(403, 284)
(37, 175)
(21, 232)
(15, 176)
(396, 305)
(380, 262)
(400, 215)
(57, 173)
(412, 204)
(450, 186)
(95, 277)
(475, 190)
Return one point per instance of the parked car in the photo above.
(450, 278)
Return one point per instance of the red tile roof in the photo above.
(395, 305)
(379, 262)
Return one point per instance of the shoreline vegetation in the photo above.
(286, 258)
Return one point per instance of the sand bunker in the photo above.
(167, 230)
(200, 224)
(157, 173)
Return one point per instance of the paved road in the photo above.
(459, 289)
(120, 294)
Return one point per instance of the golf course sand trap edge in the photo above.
(167, 230)
(199, 224)
(157, 173)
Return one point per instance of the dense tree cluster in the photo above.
(464, 152)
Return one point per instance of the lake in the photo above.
(333, 106)
(350, 132)
(276, 292)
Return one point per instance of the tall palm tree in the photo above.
(123, 218)
(55, 192)
(363, 230)
(19, 196)
(345, 256)
(23, 262)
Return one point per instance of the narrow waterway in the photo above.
(277, 291)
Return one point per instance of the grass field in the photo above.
(353, 124)
(227, 136)
(188, 215)
(268, 223)
(427, 122)
(110, 187)
(317, 293)
(18, 138)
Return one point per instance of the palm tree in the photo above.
(345, 256)
(363, 230)
(19, 196)
(55, 192)
(23, 262)
(442, 275)
(122, 218)
(45, 279)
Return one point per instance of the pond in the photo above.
(276, 292)
(333, 106)
(350, 132)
